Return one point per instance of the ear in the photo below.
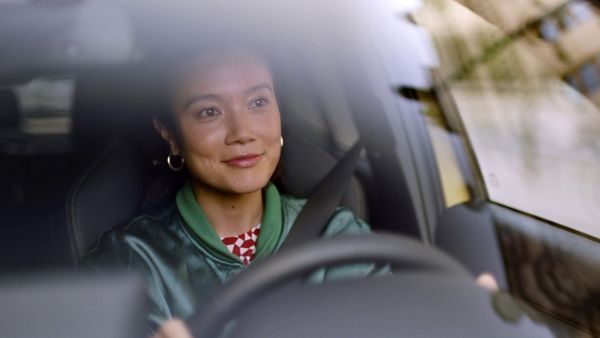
(167, 135)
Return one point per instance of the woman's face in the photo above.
(229, 122)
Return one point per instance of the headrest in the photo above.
(9, 109)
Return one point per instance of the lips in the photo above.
(244, 161)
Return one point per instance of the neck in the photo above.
(229, 214)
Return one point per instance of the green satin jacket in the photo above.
(184, 260)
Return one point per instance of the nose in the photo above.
(239, 125)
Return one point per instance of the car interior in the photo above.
(89, 160)
(62, 178)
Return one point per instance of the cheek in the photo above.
(271, 126)
(201, 142)
(274, 143)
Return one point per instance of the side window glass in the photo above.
(589, 74)
(535, 138)
(581, 10)
(549, 30)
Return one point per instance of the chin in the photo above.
(247, 187)
(248, 181)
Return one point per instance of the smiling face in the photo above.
(228, 122)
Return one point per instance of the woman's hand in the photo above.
(173, 328)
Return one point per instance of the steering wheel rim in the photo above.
(287, 265)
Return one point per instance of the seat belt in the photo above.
(324, 200)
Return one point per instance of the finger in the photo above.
(487, 281)
(174, 328)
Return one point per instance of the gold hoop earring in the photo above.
(175, 162)
(281, 140)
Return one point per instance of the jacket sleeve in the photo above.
(118, 251)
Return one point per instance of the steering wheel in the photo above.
(287, 265)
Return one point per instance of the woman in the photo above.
(225, 129)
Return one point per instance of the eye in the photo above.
(258, 102)
(207, 113)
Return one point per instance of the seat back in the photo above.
(300, 179)
(108, 191)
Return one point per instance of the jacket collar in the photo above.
(195, 220)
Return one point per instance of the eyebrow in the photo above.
(196, 98)
(259, 87)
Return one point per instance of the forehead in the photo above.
(223, 69)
